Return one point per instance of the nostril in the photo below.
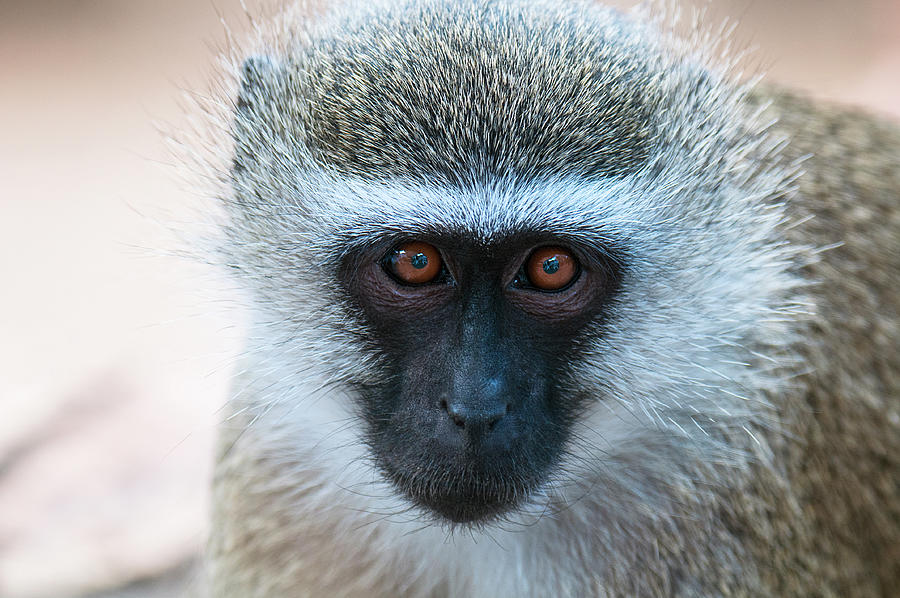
(477, 418)
(455, 415)
(498, 417)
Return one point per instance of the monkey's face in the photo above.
(474, 409)
(534, 248)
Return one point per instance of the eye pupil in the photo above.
(419, 261)
(551, 266)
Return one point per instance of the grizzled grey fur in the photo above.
(743, 437)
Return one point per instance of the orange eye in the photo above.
(414, 262)
(551, 268)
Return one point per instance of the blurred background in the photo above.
(112, 365)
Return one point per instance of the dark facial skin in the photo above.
(473, 414)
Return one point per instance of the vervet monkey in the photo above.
(545, 303)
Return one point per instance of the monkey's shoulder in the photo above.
(845, 470)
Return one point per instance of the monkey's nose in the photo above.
(475, 420)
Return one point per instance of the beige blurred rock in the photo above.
(93, 499)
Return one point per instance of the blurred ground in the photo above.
(112, 366)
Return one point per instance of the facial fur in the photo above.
(489, 131)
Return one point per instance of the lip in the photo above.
(474, 500)
(464, 487)
(466, 509)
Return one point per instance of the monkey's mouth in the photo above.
(466, 490)
(466, 471)
(463, 501)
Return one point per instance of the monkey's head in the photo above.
(530, 247)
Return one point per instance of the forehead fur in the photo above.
(448, 91)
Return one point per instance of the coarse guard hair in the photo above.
(487, 118)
